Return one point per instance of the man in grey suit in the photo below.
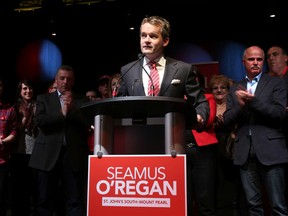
(60, 154)
(257, 105)
(177, 79)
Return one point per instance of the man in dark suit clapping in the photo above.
(257, 105)
(60, 153)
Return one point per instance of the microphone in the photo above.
(140, 56)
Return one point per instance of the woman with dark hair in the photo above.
(22, 177)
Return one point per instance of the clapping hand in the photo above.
(243, 96)
(66, 102)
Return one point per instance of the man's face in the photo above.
(151, 41)
(276, 60)
(253, 61)
(64, 80)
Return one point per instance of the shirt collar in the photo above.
(59, 93)
(159, 61)
(255, 79)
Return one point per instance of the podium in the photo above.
(140, 124)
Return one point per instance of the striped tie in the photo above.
(153, 87)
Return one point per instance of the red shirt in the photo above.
(8, 125)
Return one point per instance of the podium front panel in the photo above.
(139, 139)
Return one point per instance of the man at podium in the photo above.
(173, 78)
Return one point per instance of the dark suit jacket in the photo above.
(285, 126)
(179, 80)
(52, 127)
(263, 117)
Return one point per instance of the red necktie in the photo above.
(153, 88)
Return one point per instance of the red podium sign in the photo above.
(137, 185)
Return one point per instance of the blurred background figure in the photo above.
(114, 84)
(91, 95)
(52, 87)
(103, 87)
(277, 59)
(23, 182)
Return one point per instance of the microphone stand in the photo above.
(114, 92)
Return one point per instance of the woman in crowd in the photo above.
(22, 177)
(114, 84)
(227, 179)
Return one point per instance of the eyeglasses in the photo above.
(219, 87)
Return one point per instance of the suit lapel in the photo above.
(139, 84)
(169, 74)
(55, 100)
(135, 82)
(261, 84)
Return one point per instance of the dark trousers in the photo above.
(61, 191)
(229, 189)
(4, 184)
(201, 171)
(23, 185)
(254, 176)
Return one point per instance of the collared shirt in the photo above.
(252, 84)
(61, 100)
(160, 67)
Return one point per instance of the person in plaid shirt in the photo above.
(8, 127)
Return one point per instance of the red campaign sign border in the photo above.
(165, 176)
